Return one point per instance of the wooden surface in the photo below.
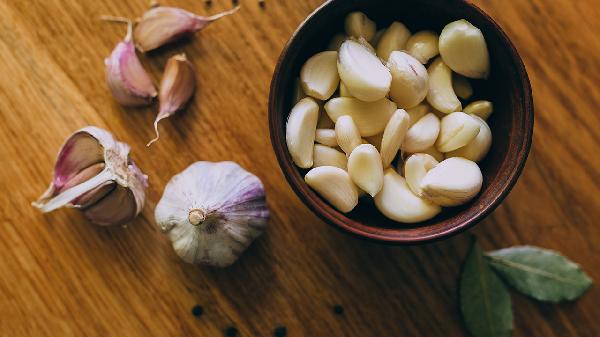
(62, 276)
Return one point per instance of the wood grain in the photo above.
(61, 276)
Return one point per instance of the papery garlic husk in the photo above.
(358, 25)
(161, 25)
(393, 136)
(394, 38)
(326, 137)
(347, 134)
(365, 168)
(397, 202)
(456, 130)
(481, 109)
(422, 134)
(462, 87)
(212, 212)
(300, 131)
(416, 167)
(93, 173)
(127, 79)
(441, 93)
(478, 148)
(463, 49)
(319, 75)
(335, 186)
(176, 88)
(328, 156)
(423, 45)
(409, 80)
(453, 182)
(370, 117)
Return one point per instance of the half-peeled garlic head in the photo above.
(365, 168)
(363, 74)
(393, 38)
(358, 25)
(416, 167)
(409, 80)
(441, 93)
(423, 45)
(347, 134)
(326, 137)
(481, 109)
(397, 202)
(463, 48)
(456, 130)
(334, 185)
(393, 136)
(319, 75)
(453, 182)
(422, 134)
(478, 148)
(300, 131)
(370, 117)
(327, 156)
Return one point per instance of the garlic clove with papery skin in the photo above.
(212, 212)
(454, 181)
(93, 172)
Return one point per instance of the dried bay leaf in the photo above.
(540, 273)
(484, 300)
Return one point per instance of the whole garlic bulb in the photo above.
(212, 212)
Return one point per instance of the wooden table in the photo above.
(62, 276)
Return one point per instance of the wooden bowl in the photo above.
(511, 123)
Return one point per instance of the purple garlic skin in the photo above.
(162, 25)
(93, 173)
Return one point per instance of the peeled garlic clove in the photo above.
(463, 48)
(481, 109)
(93, 172)
(397, 202)
(365, 168)
(415, 169)
(417, 112)
(393, 136)
(319, 75)
(422, 134)
(370, 117)
(327, 156)
(394, 38)
(212, 212)
(363, 74)
(300, 131)
(326, 137)
(456, 130)
(409, 80)
(335, 186)
(374, 140)
(336, 42)
(432, 151)
(478, 148)
(129, 83)
(344, 92)
(358, 25)
(161, 25)
(423, 46)
(176, 88)
(298, 91)
(452, 182)
(347, 134)
(441, 94)
(462, 87)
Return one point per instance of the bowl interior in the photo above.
(507, 87)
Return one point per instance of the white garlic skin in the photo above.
(226, 202)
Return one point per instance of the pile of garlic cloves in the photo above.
(377, 95)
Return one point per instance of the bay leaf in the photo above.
(540, 273)
(484, 300)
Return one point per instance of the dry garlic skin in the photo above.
(370, 117)
(365, 168)
(397, 202)
(328, 156)
(415, 169)
(300, 131)
(335, 186)
(393, 136)
(456, 130)
(409, 80)
(453, 182)
(212, 212)
(363, 74)
(423, 45)
(392, 39)
(478, 148)
(463, 48)
(441, 93)
(319, 75)
(422, 134)
(358, 25)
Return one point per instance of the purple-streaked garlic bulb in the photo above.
(212, 212)
(93, 173)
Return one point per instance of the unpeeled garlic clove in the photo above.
(422, 134)
(416, 167)
(326, 137)
(334, 185)
(336, 42)
(397, 202)
(478, 148)
(409, 80)
(319, 75)
(327, 156)
(441, 94)
(370, 117)
(481, 109)
(365, 168)
(93, 172)
(453, 182)
(463, 48)
(394, 38)
(358, 25)
(423, 45)
(417, 112)
(129, 83)
(393, 136)
(363, 74)
(161, 25)
(462, 87)
(456, 130)
(300, 131)
(347, 134)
